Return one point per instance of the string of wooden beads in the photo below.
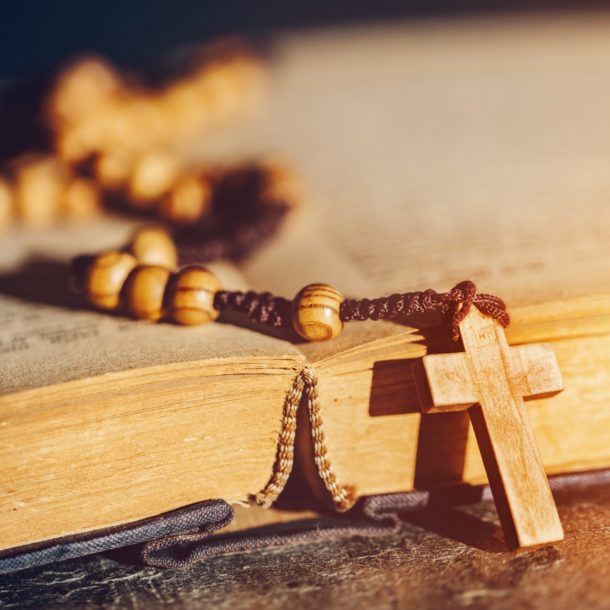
(94, 109)
(115, 280)
(38, 189)
(114, 139)
(142, 279)
(127, 134)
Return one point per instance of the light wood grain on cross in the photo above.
(490, 379)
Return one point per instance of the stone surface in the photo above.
(443, 558)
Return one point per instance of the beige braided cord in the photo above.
(342, 497)
(305, 383)
(285, 446)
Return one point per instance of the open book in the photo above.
(104, 420)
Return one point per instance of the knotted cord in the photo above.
(264, 308)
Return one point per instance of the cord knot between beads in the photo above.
(458, 301)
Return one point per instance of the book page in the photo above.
(430, 153)
(436, 152)
(47, 336)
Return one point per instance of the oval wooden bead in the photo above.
(315, 312)
(81, 198)
(152, 176)
(105, 277)
(154, 246)
(145, 291)
(187, 201)
(191, 299)
(112, 169)
(39, 188)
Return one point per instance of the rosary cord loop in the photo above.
(456, 304)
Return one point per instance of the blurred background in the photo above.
(451, 122)
(34, 37)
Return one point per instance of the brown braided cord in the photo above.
(453, 305)
(260, 307)
(305, 385)
(264, 308)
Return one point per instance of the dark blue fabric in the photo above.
(214, 514)
(179, 538)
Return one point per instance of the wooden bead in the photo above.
(192, 293)
(105, 278)
(71, 146)
(112, 170)
(82, 198)
(152, 176)
(81, 89)
(39, 188)
(144, 294)
(315, 312)
(154, 246)
(187, 201)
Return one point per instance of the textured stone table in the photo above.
(442, 558)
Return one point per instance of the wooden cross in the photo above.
(490, 379)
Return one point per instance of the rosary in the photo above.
(489, 379)
(117, 141)
(141, 279)
(102, 146)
